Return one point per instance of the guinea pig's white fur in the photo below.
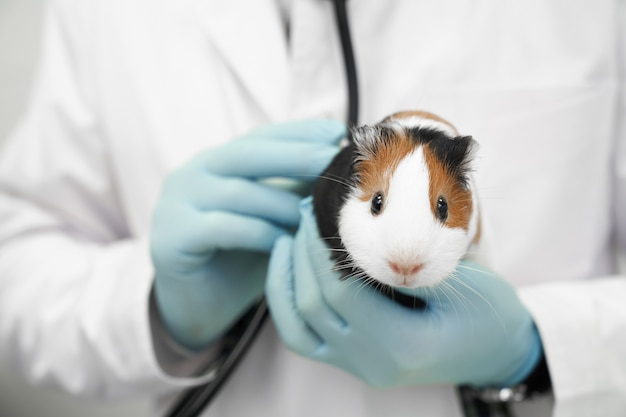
(406, 245)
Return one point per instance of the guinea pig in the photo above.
(397, 206)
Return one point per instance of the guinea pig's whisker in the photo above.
(342, 265)
(352, 280)
(339, 250)
(348, 257)
(338, 180)
(447, 291)
(436, 295)
(364, 281)
(460, 280)
(357, 277)
(330, 250)
(462, 300)
(345, 263)
(359, 281)
(342, 269)
(352, 283)
(338, 268)
(347, 266)
(482, 271)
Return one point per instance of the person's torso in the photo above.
(534, 82)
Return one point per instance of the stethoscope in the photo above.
(236, 342)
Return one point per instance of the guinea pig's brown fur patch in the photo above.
(459, 198)
(374, 170)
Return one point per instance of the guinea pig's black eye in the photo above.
(377, 204)
(442, 209)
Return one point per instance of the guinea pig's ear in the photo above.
(471, 148)
(456, 154)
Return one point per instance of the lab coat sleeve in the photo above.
(74, 283)
(583, 324)
(583, 330)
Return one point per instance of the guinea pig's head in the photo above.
(411, 214)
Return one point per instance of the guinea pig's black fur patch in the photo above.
(455, 155)
(329, 195)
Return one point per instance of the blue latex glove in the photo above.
(474, 330)
(216, 221)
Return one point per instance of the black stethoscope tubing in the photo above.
(341, 17)
(194, 400)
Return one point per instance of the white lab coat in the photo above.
(129, 90)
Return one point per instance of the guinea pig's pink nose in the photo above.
(405, 268)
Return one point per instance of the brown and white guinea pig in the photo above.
(397, 206)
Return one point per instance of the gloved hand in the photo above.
(474, 329)
(216, 221)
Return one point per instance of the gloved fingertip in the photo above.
(282, 243)
(279, 264)
(320, 158)
(333, 130)
(306, 203)
(326, 154)
(307, 216)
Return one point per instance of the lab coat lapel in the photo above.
(257, 55)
